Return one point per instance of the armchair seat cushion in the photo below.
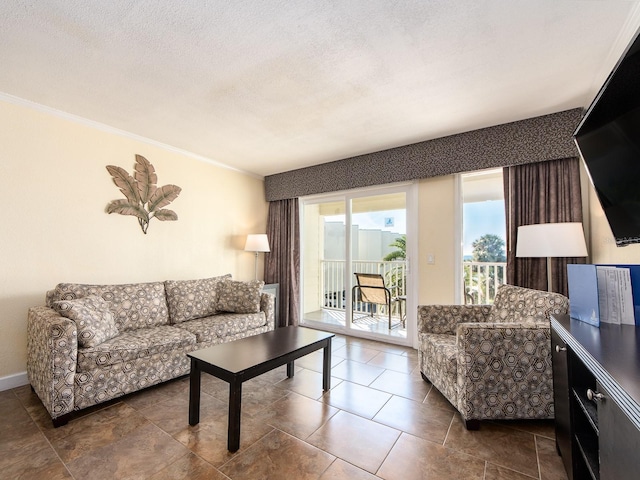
(132, 345)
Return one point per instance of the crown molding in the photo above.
(5, 97)
(623, 40)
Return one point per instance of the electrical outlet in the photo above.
(431, 259)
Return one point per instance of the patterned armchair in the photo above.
(492, 362)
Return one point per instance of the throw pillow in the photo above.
(189, 299)
(240, 297)
(94, 320)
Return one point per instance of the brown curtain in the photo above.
(544, 192)
(282, 264)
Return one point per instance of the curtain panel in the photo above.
(282, 264)
(543, 192)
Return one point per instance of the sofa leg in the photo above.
(424, 377)
(473, 424)
(61, 421)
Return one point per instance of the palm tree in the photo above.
(394, 277)
(401, 253)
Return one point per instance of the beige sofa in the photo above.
(93, 343)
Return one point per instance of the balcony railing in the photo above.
(481, 281)
(334, 293)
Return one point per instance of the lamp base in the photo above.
(256, 267)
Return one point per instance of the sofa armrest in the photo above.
(504, 370)
(444, 318)
(268, 306)
(52, 353)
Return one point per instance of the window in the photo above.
(483, 235)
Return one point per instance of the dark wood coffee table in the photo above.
(241, 360)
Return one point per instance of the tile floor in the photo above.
(379, 420)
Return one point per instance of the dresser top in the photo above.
(612, 353)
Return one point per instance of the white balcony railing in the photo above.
(481, 281)
(334, 294)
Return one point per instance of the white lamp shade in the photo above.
(551, 240)
(257, 243)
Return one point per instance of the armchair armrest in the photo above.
(268, 306)
(444, 318)
(504, 370)
(52, 353)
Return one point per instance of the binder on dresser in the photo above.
(604, 293)
(583, 293)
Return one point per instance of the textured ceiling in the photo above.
(267, 86)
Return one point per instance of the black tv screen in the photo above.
(608, 138)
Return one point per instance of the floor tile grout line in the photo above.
(253, 445)
(535, 444)
(401, 432)
(444, 441)
(41, 432)
(191, 452)
(474, 455)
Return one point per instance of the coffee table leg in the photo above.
(194, 393)
(326, 366)
(235, 402)
(290, 368)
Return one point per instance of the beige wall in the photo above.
(603, 246)
(436, 235)
(53, 190)
(312, 230)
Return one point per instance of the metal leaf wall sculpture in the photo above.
(144, 199)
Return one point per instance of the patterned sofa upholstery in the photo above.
(93, 343)
(492, 362)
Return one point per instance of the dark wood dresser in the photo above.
(596, 380)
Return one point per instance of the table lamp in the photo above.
(551, 240)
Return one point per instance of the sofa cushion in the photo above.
(188, 299)
(132, 345)
(94, 320)
(240, 297)
(136, 305)
(517, 304)
(209, 329)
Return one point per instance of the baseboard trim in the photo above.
(13, 381)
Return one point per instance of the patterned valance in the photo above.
(548, 137)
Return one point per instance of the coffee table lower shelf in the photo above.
(241, 360)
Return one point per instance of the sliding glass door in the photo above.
(358, 235)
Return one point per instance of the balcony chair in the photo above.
(492, 361)
(370, 288)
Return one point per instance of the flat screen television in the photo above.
(608, 138)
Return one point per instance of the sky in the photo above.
(481, 218)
